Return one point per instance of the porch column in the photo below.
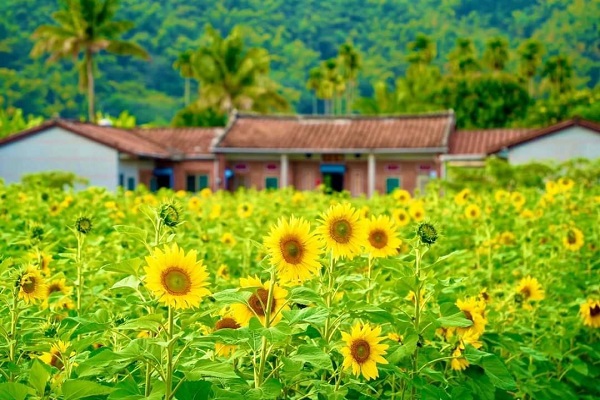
(371, 175)
(284, 171)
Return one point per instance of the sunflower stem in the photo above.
(14, 314)
(417, 320)
(369, 270)
(170, 345)
(258, 381)
(328, 299)
(148, 384)
(79, 263)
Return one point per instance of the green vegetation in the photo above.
(514, 62)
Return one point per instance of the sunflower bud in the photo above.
(427, 233)
(169, 214)
(83, 225)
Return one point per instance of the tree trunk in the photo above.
(89, 67)
(187, 92)
(314, 105)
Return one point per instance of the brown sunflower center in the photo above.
(291, 250)
(56, 360)
(54, 287)
(401, 217)
(341, 231)
(176, 281)
(571, 237)
(258, 302)
(29, 284)
(473, 212)
(226, 323)
(468, 315)
(360, 350)
(378, 238)
(595, 311)
(526, 292)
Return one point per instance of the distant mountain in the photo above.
(298, 33)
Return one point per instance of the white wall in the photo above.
(59, 150)
(131, 168)
(563, 145)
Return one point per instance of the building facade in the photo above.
(359, 154)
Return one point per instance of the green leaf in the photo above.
(38, 376)
(404, 350)
(194, 390)
(493, 367)
(79, 389)
(314, 355)
(231, 296)
(14, 391)
(306, 296)
(127, 267)
(457, 320)
(311, 315)
(271, 389)
(127, 282)
(133, 232)
(211, 368)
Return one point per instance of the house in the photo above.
(111, 157)
(360, 154)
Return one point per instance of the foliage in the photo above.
(12, 120)
(297, 38)
(489, 301)
(52, 180)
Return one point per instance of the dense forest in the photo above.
(539, 59)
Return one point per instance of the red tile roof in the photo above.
(479, 141)
(427, 132)
(537, 133)
(191, 142)
(164, 143)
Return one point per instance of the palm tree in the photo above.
(496, 53)
(559, 72)
(85, 26)
(186, 70)
(422, 51)
(314, 83)
(351, 63)
(231, 76)
(530, 58)
(462, 59)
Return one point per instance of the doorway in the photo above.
(333, 177)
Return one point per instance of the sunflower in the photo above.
(527, 214)
(223, 272)
(32, 286)
(530, 289)
(417, 212)
(566, 184)
(59, 285)
(402, 196)
(382, 239)
(245, 210)
(227, 321)
(462, 197)
(552, 188)
(175, 278)
(400, 217)
(458, 363)
(294, 250)
(507, 238)
(257, 303)
(573, 240)
(394, 337)
(194, 203)
(206, 193)
(342, 230)
(517, 199)
(363, 351)
(215, 211)
(228, 239)
(590, 312)
(472, 211)
(56, 357)
(501, 196)
(474, 311)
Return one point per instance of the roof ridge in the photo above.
(435, 114)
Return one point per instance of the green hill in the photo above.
(298, 34)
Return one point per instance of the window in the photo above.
(196, 182)
(271, 182)
(391, 184)
(131, 183)
(121, 180)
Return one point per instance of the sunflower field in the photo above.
(475, 293)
